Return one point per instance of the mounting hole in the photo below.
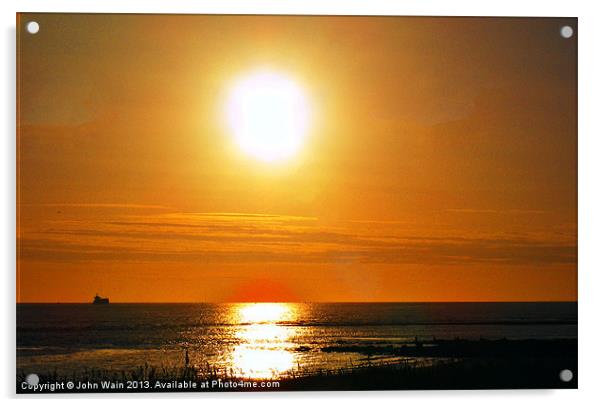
(33, 27)
(32, 379)
(566, 31)
(566, 375)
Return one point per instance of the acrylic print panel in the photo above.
(269, 203)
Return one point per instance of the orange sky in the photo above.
(440, 165)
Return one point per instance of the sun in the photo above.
(268, 115)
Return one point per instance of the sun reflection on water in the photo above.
(261, 313)
(265, 347)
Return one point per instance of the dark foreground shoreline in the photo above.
(456, 365)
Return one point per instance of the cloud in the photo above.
(499, 211)
(242, 238)
(98, 205)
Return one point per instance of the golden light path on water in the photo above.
(265, 348)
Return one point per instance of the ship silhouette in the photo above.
(99, 300)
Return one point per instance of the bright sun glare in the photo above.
(263, 312)
(264, 350)
(268, 114)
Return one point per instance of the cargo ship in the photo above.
(99, 300)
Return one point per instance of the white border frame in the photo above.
(590, 197)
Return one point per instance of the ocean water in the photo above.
(261, 340)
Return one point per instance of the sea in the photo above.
(262, 340)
